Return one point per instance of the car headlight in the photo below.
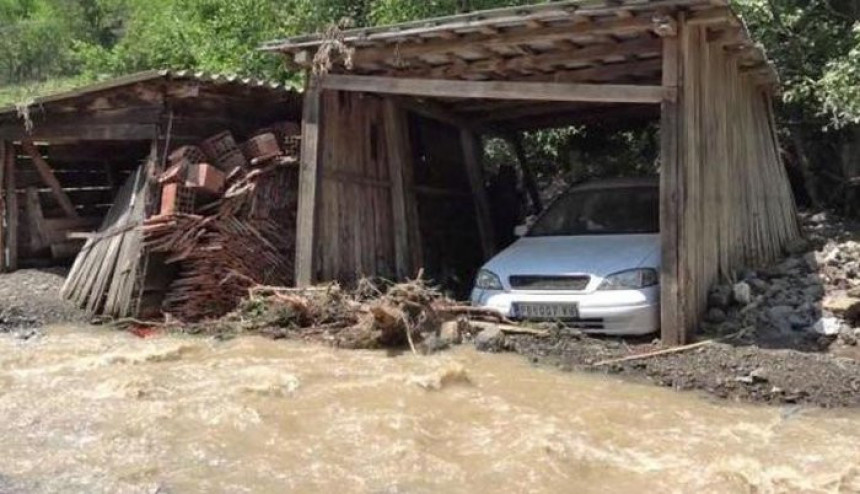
(488, 280)
(630, 280)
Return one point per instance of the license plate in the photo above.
(531, 310)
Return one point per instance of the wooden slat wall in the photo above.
(736, 205)
(355, 224)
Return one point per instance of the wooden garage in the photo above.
(393, 118)
(66, 156)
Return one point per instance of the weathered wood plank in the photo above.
(5, 150)
(105, 132)
(397, 142)
(50, 180)
(538, 91)
(308, 185)
(11, 212)
(671, 187)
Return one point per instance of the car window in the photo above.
(618, 210)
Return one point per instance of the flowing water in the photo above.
(87, 410)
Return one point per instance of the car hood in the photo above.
(597, 255)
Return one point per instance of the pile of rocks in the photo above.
(813, 294)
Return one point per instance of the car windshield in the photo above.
(616, 210)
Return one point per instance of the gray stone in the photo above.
(433, 344)
(720, 296)
(716, 315)
(811, 261)
(490, 339)
(813, 293)
(846, 307)
(797, 246)
(791, 265)
(758, 285)
(828, 326)
(759, 375)
(779, 316)
(742, 293)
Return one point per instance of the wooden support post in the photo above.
(6, 149)
(673, 330)
(11, 210)
(473, 156)
(50, 180)
(309, 179)
(516, 141)
(406, 237)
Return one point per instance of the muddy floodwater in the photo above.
(87, 410)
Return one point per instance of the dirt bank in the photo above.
(732, 371)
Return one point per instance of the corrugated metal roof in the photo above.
(151, 75)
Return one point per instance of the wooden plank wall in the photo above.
(355, 222)
(736, 208)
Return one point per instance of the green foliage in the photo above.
(815, 46)
(393, 11)
(840, 85)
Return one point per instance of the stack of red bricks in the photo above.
(227, 220)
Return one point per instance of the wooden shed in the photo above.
(65, 156)
(391, 172)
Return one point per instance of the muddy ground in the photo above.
(736, 371)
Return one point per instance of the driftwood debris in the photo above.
(368, 316)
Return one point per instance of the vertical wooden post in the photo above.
(11, 209)
(5, 149)
(673, 327)
(309, 175)
(473, 155)
(406, 237)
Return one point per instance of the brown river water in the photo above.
(92, 411)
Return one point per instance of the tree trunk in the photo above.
(810, 181)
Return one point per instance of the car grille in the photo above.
(574, 283)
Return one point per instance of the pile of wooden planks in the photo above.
(105, 273)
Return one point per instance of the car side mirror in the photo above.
(521, 230)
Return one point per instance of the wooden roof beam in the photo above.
(519, 36)
(548, 61)
(713, 16)
(605, 72)
(598, 93)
